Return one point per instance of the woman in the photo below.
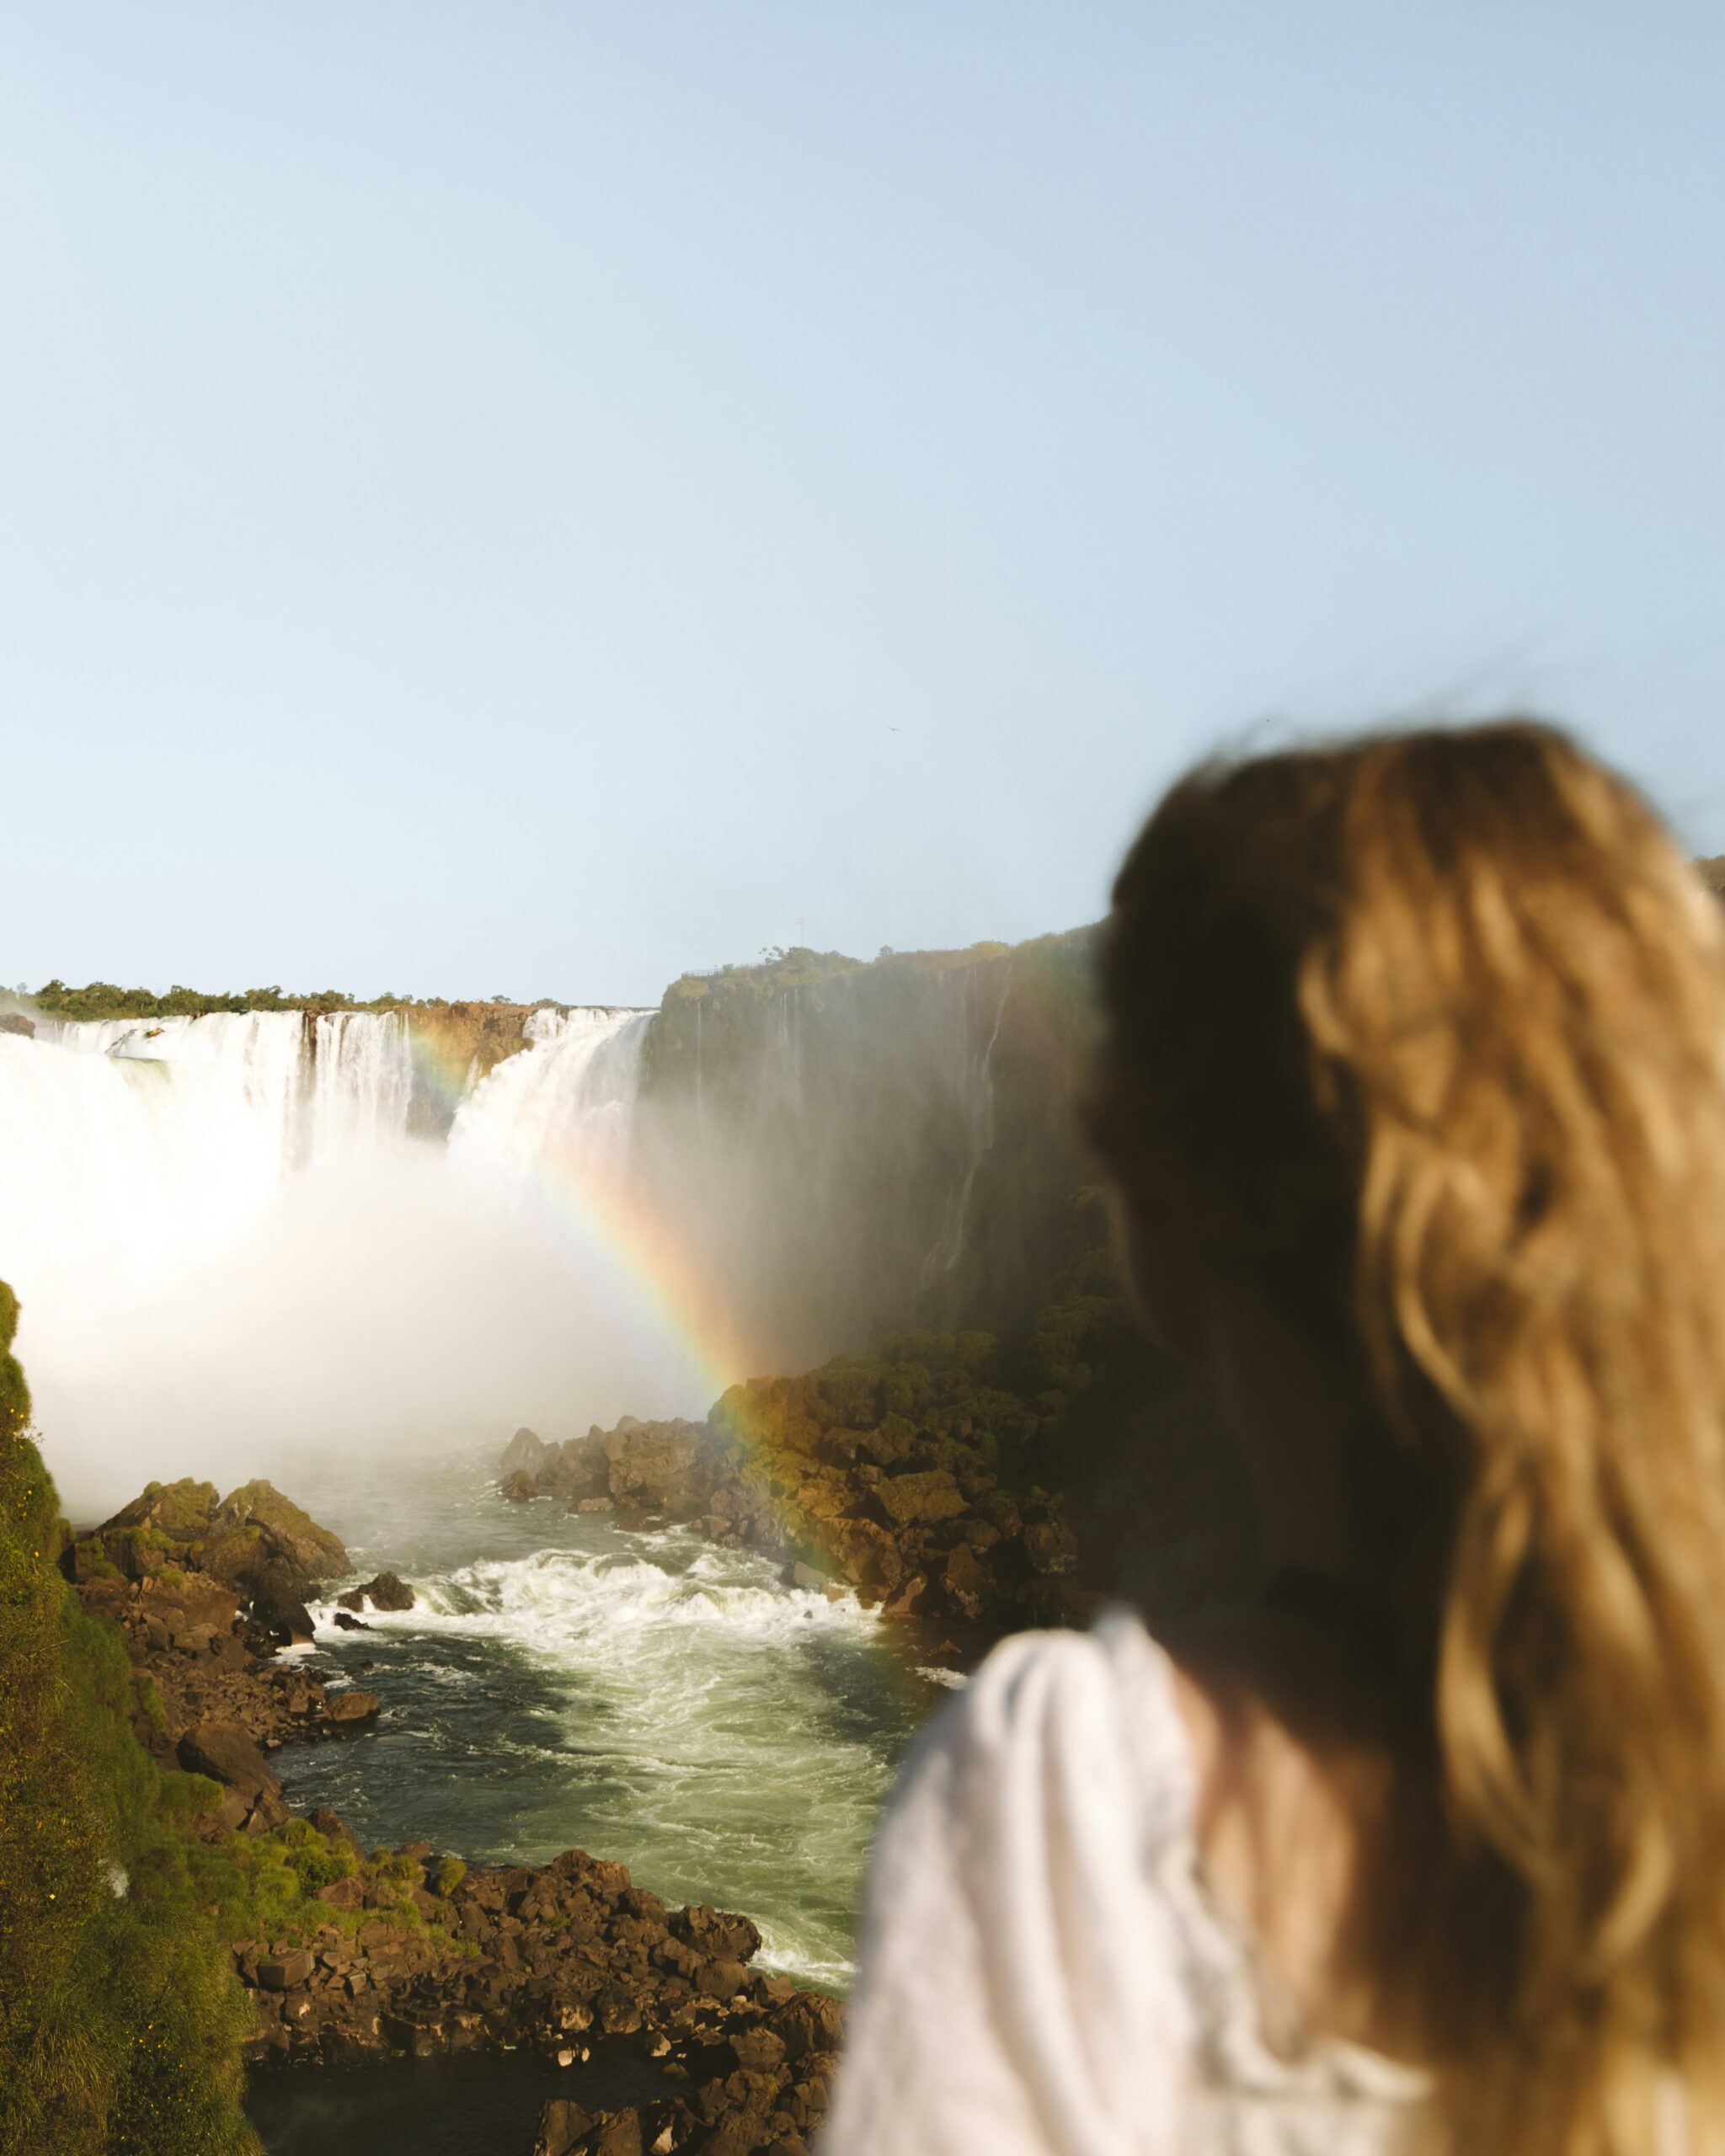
(1414, 1096)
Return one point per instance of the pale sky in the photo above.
(531, 498)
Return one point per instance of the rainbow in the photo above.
(605, 1212)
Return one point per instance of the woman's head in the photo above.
(1423, 1040)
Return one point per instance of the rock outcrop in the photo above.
(853, 1148)
(884, 1476)
(386, 1591)
(408, 1955)
(527, 1448)
(205, 1590)
(253, 1540)
(761, 2091)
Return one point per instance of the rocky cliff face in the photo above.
(850, 1149)
(881, 1163)
(464, 1041)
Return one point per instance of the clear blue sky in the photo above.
(532, 495)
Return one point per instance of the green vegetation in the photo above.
(122, 2019)
(102, 999)
(120, 2022)
(964, 1402)
(1068, 1448)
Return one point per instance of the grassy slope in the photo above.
(119, 2021)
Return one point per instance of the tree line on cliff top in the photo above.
(104, 998)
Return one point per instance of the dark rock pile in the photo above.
(890, 1476)
(419, 1956)
(205, 1590)
(761, 2089)
(401, 1953)
(386, 1591)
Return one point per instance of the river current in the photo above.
(563, 1682)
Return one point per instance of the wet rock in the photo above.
(345, 1623)
(871, 1555)
(347, 1707)
(519, 1487)
(14, 1022)
(809, 2023)
(575, 1469)
(970, 1585)
(907, 1598)
(563, 2126)
(287, 1973)
(759, 2050)
(919, 1500)
(226, 1752)
(659, 1467)
(1051, 1547)
(278, 1606)
(386, 1591)
(260, 1506)
(526, 1449)
(717, 1932)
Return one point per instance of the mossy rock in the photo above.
(179, 1511)
(318, 1553)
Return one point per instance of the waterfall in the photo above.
(224, 1238)
(131, 1151)
(362, 1078)
(977, 1100)
(570, 1095)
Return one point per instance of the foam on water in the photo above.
(640, 1695)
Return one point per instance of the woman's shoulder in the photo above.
(1042, 1963)
(1112, 1698)
(1248, 1753)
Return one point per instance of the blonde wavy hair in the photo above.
(1427, 1032)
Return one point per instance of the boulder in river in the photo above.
(660, 1467)
(526, 1449)
(386, 1591)
(345, 1709)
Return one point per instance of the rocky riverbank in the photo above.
(207, 1590)
(407, 1954)
(893, 1478)
(350, 1956)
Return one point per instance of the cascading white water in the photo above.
(363, 1078)
(573, 1090)
(976, 1095)
(132, 1152)
(224, 1239)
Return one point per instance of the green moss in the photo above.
(119, 2019)
(149, 1701)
